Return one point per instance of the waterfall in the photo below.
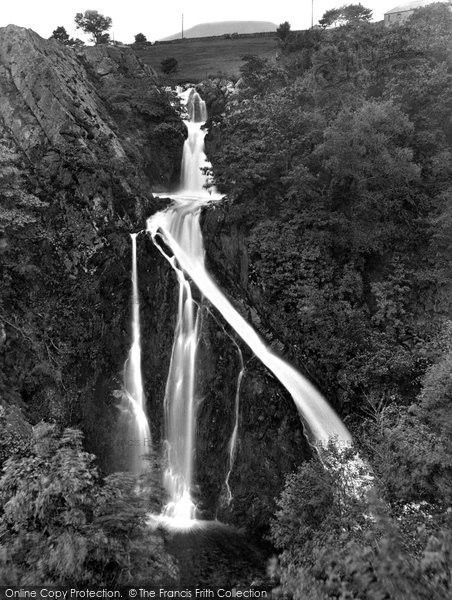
(133, 403)
(180, 395)
(194, 159)
(233, 441)
(177, 228)
(180, 407)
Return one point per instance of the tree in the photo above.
(92, 22)
(61, 35)
(330, 18)
(349, 13)
(356, 12)
(168, 65)
(61, 523)
(260, 75)
(140, 38)
(283, 31)
(337, 540)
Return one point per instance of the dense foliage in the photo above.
(337, 164)
(338, 542)
(168, 65)
(62, 36)
(61, 524)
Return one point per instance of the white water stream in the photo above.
(179, 228)
(134, 401)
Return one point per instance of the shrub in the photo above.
(169, 65)
(283, 31)
(336, 543)
(61, 524)
(413, 462)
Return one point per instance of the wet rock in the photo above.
(271, 441)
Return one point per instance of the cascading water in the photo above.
(180, 407)
(179, 229)
(133, 403)
(180, 400)
(233, 441)
(194, 159)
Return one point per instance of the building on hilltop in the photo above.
(401, 13)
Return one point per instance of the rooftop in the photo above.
(410, 6)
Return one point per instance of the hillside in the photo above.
(336, 165)
(202, 57)
(223, 27)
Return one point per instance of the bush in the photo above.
(15, 433)
(169, 65)
(337, 542)
(413, 461)
(61, 524)
(283, 31)
(436, 396)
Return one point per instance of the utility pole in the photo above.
(312, 14)
(182, 25)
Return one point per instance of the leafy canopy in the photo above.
(283, 30)
(350, 13)
(61, 524)
(338, 542)
(62, 36)
(92, 22)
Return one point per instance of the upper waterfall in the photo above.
(194, 160)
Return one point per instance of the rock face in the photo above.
(271, 441)
(84, 138)
(101, 104)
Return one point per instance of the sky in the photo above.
(163, 17)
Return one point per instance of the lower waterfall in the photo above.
(133, 402)
(180, 405)
(177, 234)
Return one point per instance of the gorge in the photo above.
(83, 195)
(204, 355)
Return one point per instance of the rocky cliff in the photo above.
(271, 442)
(84, 138)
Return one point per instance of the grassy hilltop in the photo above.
(200, 57)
